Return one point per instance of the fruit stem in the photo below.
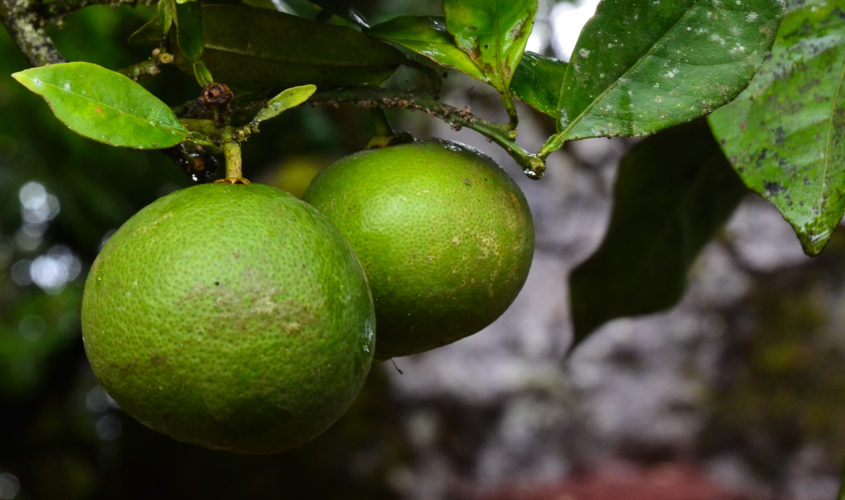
(232, 152)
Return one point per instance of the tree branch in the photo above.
(532, 164)
(369, 98)
(56, 10)
(25, 21)
(26, 27)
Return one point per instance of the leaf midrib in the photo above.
(138, 118)
(599, 98)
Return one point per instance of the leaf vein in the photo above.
(611, 87)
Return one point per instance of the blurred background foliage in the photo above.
(780, 387)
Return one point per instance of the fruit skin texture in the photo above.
(230, 316)
(445, 236)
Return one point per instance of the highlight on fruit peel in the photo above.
(445, 236)
(230, 316)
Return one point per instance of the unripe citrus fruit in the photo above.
(230, 316)
(445, 237)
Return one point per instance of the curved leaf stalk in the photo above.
(510, 107)
(533, 165)
(553, 143)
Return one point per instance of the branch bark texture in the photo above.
(26, 27)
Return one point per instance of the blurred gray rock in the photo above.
(634, 388)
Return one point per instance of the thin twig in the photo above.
(380, 98)
(501, 134)
(148, 68)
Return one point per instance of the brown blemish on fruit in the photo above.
(158, 359)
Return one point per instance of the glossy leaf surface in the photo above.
(673, 191)
(167, 13)
(493, 33)
(104, 105)
(285, 100)
(643, 65)
(427, 36)
(189, 29)
(535, 81)
(785, 134)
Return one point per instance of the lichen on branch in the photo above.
(26, 27)
(25, 21)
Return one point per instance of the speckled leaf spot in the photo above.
(643, 65)
(785, 134)
(104, 105)
(493, 33)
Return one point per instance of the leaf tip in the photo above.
(21, 76)
(31, 83)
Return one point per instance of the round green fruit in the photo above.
(235, 317)
(445, 237)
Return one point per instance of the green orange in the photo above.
(230, 316)
(445, 236)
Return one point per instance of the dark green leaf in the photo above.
(428, 37)
(674, 190)
(202, 75)
(785, 134)
(167, 13)
(493, 33)
(285, 100)
(189, 30)
(536, 81)
(104, 105)
(643, 65)
(253, 48)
